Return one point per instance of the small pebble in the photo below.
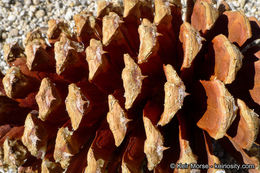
(11, 18)
(27, 2)
(4, 36)
(13, 32)
(40, 13)
(36, 2)
(6, 1)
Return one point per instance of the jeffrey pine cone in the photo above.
(133, 89)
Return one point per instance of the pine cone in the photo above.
(134, 89)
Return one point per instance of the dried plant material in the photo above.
(131, 7)
(48, 166)
(33, 168)
(12, 51)
(246, 158)
(191, 43)
(101, 69)
(162, 12)
(33, 35)
(15, 153)
(4, 129)
(133, 156)
(186, 154)
(116, 34)
(204, 16)
(101, 6)
(16, 84)
(77, 105)
(9, 109)
(132, 81)
(223, 6)
(153, 145)
(37, 57)
(255, 91)
(175, 93)
(221, 109)
(104, 7)
(117, 120)
(35, 136)
(101, 150)
(228, 59)
(97, 62)
(111, 24)
(94, 165)
(148, 41)
(86, 27)
(66, 146)
(14, 133)
(48, 99)
(248, 126)
(239, 29)
(65, 55)
(212, 159)
(55, 28)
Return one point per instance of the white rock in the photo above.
(27, 2)
(11, 18)
(69, 14)
(40, 13)
(36, 2)
(6, 1)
